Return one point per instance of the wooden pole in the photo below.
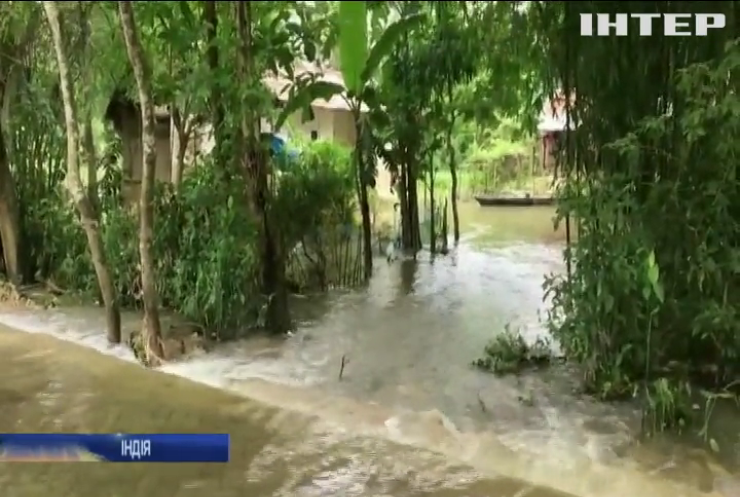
(531, 172)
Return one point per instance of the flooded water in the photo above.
(408, 417)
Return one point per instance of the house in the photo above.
(551, 127)
(126, 119)
(332, 120)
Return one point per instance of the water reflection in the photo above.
(408, 270)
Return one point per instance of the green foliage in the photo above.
(383, 47)
(204, 246)
(316, 203)
(651, 303)
(316, 193)
(304, 95)
(35, 145)
(610, 289)
(205, 242)
(510, 353)
(353, 45)
(57, 244)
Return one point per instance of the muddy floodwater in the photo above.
(410, 417)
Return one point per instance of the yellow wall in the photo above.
(332, 125)
(133, 159)
(344, 127)
(338, 126)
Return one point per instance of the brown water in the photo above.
(409, 417)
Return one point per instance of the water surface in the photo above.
(409, 416)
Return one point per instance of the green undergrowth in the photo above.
(205, 240)
(509, 353)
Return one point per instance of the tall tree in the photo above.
(210, 19)
(88, 216)
(9, 214)
(254, 166)
(86, 114)
(12, 49)
(152, 326)
(360, 65)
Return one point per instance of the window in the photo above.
(314, 135)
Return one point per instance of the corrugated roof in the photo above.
(280, 85)
(553, 116)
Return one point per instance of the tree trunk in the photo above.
(413, 201)
(402, 187)
(91, 160)
(210, 18)
(432, 208)
(180, 133)
(82, 47)
(254, 168)
(453, 169)
(88, 216)
(453, 195)
(10, 229)
(410, 204)
(453, 191)
(11, 77)
(367, 234)
(152, 326)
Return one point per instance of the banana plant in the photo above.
(359, 65)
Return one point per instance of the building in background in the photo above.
(551, 127)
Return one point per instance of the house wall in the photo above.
(132, 152)
(133, 159)
(548, 150)
(329, 124)
(344, 127)
(323, 124)
(338, 125)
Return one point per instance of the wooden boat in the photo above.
(498, 201)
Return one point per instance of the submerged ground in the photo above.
(410, 417)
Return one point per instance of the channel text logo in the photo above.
(650, 24)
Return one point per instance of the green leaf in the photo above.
(653, 270)
(653, 274)
(303, 97)
(187, 13)
(385, 43)
(352, 43)
(659, 292)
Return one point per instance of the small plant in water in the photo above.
(509, 353)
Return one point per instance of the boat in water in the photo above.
(501, 200)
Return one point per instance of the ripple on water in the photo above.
(340, 420)
(408, 340)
